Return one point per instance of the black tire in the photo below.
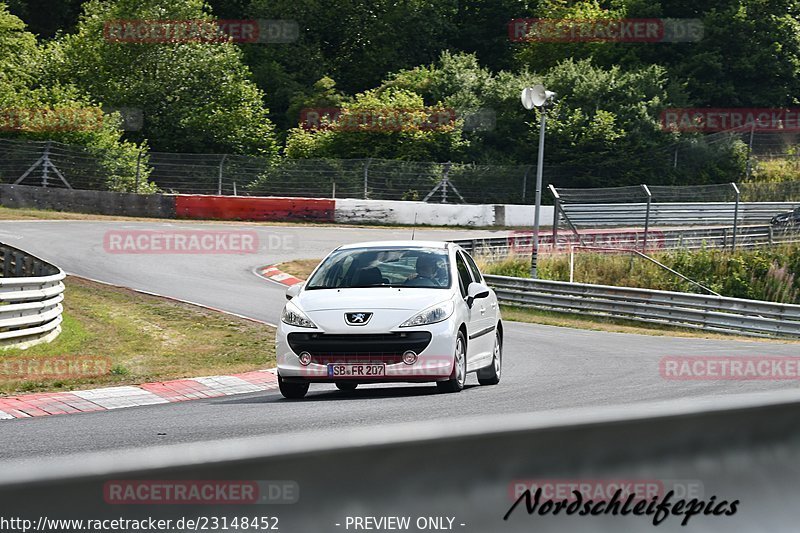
(346, 386)
(490, 375)
(292, 391)
(457, 380)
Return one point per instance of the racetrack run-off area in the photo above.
(545, 367)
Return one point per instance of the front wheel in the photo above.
(459, 375)
(491, 374)
(292, 391)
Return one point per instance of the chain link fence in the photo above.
(54, 164)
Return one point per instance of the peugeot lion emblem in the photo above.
(357, 319)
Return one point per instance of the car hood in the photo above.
(367, 299)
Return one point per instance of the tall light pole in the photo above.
(537, 96)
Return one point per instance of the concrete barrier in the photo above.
(263, 208)
(522, 215)
(743, 448)
(410, 213)
(253, 208)
(82, 201)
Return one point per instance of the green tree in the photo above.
(749, 55)
(395, 129)
(195, 96)
(603, 130)
(24, 101)
(46, 18)
(355, 42)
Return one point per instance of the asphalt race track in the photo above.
(544, 367)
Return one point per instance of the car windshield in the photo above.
(383, 267)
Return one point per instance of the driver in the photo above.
(426, 270)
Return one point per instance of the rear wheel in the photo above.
(293, 391)
(346, 385)
(459, 375)
(491, 374)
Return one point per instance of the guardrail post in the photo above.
(556, 209)
(46, 158)
(525, 183)
(646, 216)
(138, 171)
(571, 263)
(770, 236)
(219, 178)
(735, 215)
(749, 169)
(366, 177)
(18, 264)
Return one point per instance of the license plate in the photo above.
(357, 370)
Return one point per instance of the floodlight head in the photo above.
(536, 96)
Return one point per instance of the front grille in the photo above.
(385, 348)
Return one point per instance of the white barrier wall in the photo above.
(522, 215)
(436, 214)
(397, 212)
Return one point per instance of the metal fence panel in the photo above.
(711, 313)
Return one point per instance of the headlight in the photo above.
(431, 315)
(293, 316)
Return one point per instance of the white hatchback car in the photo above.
(393, 311)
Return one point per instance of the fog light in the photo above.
(305, 358)
(409, 357)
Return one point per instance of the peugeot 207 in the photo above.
(390, 312)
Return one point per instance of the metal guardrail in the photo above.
(736, 447)
(657, 239)
(31, 292)
(673, 213)
(696, 311)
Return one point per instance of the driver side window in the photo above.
(464, 278)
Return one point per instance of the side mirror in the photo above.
(294, 290)
(476, 291)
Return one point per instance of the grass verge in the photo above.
(137, 338)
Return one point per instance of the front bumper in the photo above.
(434, 361)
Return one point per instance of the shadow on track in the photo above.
(337, 395)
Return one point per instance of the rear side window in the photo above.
(464, 278)
(476, 274)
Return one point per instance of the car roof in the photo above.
(396, 244)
